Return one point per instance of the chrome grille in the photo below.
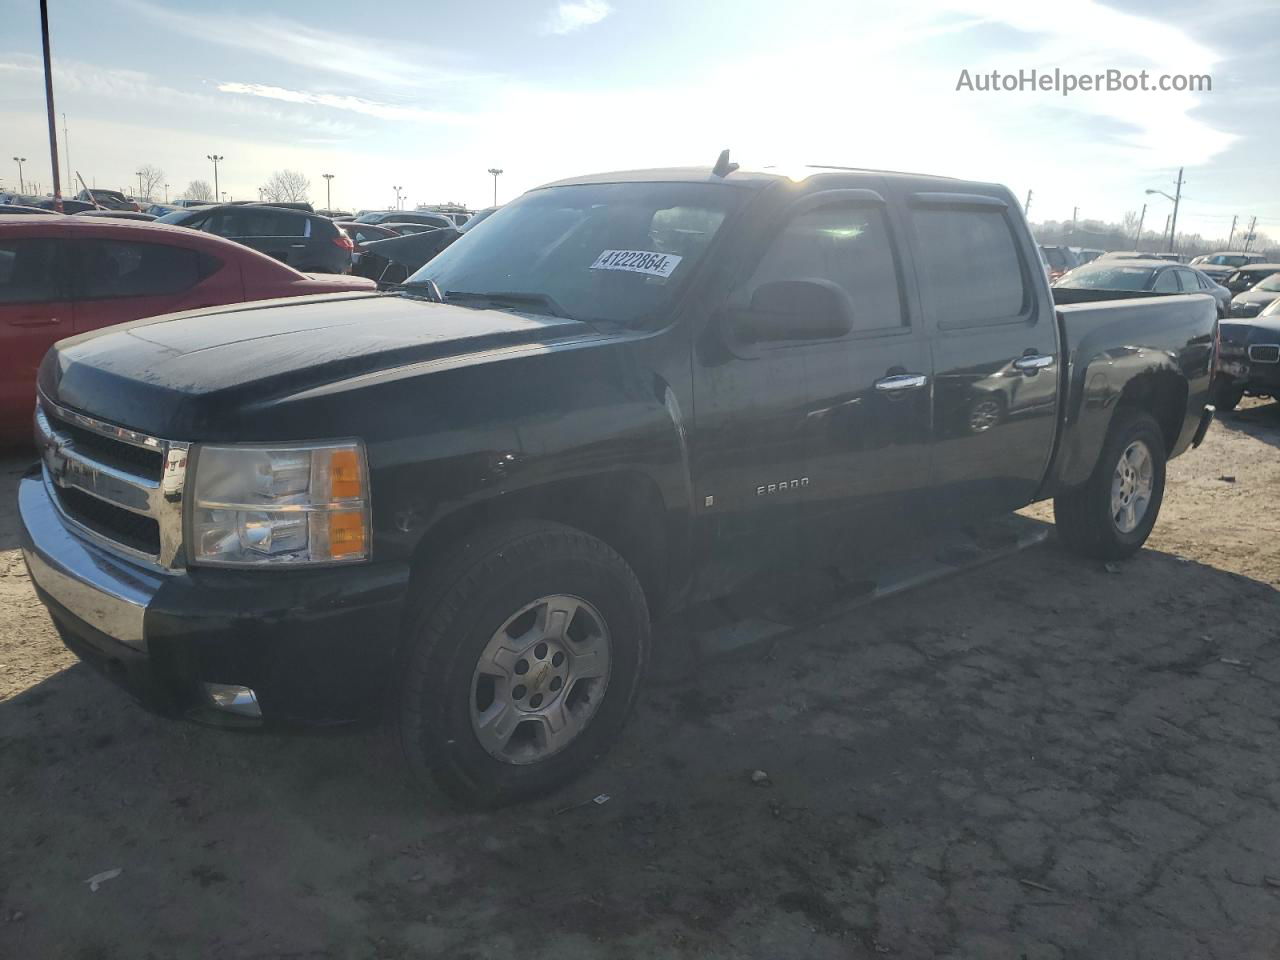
(1265, 353)
(115, 486)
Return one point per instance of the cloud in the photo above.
(367, 60)
(568, 17)
(370, 108)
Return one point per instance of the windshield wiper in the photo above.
(426, 288)
(514, 298)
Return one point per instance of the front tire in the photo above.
(1111, 515)
(523, 663)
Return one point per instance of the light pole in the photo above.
(22, 186)
(397, 190)
(166, 193)
(262, 193)
(495, 172)
(138, 174)
(215, 158)
(328, 197)
(1137, 241)
(1177, 199)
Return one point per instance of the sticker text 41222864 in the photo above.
(638, 261)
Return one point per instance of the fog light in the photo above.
(234, 699)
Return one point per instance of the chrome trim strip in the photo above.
(110, 595)
(101, 427)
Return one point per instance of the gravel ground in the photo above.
(1036, 759)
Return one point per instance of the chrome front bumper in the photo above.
(105, 591)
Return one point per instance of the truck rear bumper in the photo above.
(315, 647)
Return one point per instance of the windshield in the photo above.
(603, 251)
(1227, 260)
(1271, 284)
(1108, 278)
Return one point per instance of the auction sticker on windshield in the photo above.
(638, 261)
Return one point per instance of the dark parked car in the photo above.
(14, 209)
(1248, 358)
(1247, 277)
(460, 505)
(1257, 298)
(305, 241)
(1060, 260)
(391, 261)
(362, 233)
(119, 215)
(110, 199)
(1219, 266)
(405, 216)
(61, 276)
(1086, 254)
(1110, 279)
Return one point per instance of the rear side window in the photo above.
(28, 271)
(969, 267)
(117, 268)
(318, 227)
(1166, 282)
(845, 245)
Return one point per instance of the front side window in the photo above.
(117, 268)
(969, 266)
(848, 246)
(29, 271)
(618, 252)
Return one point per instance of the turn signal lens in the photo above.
(344, 475)
(346, 533)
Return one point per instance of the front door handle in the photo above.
(901, 382)
(1030, 364)
(297, 246)
(34, 322)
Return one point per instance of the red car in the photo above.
(61, 276)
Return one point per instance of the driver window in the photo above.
(848, 246)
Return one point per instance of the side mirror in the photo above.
(794, 310)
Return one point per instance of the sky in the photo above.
(430, 95)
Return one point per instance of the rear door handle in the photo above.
(901, 382)
(1033, 363)
(35, 322)
(297, 246)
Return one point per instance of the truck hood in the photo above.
(179, 369)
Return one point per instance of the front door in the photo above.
(35, 312)
(815, 447)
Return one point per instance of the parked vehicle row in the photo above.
(306, 241)
(460, 503)
(1122, 277)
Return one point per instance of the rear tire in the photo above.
(1111, 515)
(498, 702)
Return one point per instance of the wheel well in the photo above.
(624, 509)
(1163, 394)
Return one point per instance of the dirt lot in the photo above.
(1035, 759)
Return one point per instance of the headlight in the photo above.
(286, 504)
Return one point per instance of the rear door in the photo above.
(117, 280)
(35, 312)
(995, 346)
(280, 235)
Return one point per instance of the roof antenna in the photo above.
(723, 167)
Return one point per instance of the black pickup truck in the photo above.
(458, 505)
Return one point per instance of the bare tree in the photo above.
(151, 177)
(287, 186)
(198, 190)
